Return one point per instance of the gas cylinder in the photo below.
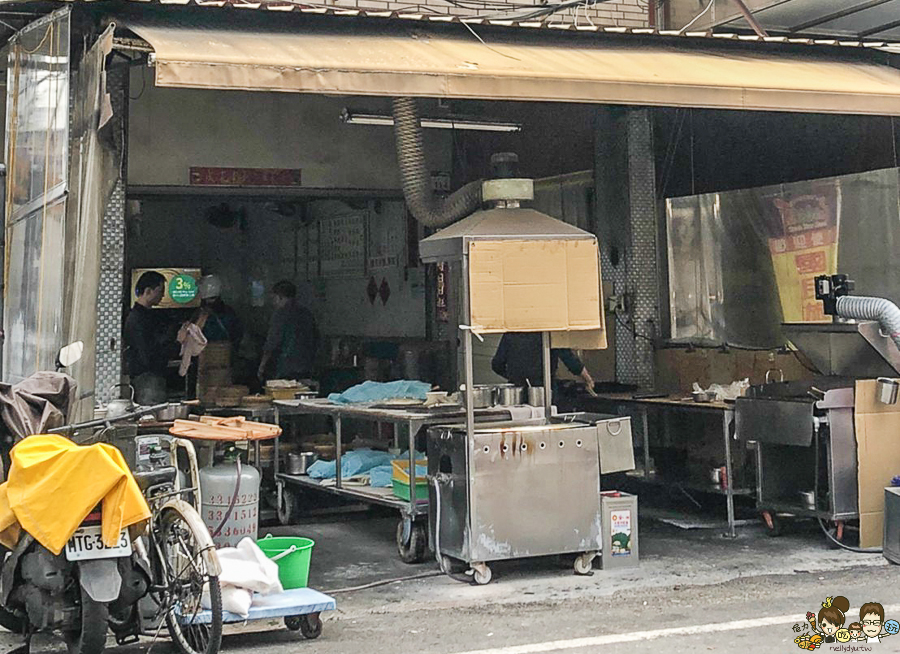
(217, 489)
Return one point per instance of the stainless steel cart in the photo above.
(411, 529)
(804, 430)
(508, 491)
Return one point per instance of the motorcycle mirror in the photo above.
(70, 354)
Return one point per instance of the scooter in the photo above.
(79, 592)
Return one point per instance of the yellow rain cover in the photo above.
(54, 484)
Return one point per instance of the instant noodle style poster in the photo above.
(804, 246)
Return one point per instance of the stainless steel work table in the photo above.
(413, 418)
(668, 405)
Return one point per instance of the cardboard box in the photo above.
(878, 454)
(536, 286)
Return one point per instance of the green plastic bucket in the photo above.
(292, 555)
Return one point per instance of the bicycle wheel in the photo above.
(183, 573)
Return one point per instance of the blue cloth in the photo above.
(353, 463)
(381, 476)
(371, 391)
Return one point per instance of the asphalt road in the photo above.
(744, 614)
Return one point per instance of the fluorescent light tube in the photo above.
(433, 123)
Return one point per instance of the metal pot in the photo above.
(536, 395)
(509, 395)
(174, 411)
(482, 396)
(298, 464)
(122, 406)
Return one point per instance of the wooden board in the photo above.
(231, 429)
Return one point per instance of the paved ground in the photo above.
(694, 591)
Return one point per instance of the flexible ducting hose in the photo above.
(872, 308)
(429, 210)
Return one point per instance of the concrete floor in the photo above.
(693, 589)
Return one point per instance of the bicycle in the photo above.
(181, 556)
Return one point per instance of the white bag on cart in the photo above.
(245, 570)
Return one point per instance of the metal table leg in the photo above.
(338, 482)
(276, 418)
(646, 434)
(412, 466)
(727, 419)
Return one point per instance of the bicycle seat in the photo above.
(149, 478)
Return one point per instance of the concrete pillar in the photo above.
(112, 264)
(626, 220)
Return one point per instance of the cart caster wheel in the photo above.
(584, 564)
(309, 625)
(773, 524)
(288, 508)
(411, 544)
(482, 574)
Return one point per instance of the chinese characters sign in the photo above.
(271, 177)
(805, 248)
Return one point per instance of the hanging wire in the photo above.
(697, 17)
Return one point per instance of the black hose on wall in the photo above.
(429, 210)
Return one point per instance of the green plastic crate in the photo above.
(400, 481)
(401, 490)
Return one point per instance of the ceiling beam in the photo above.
(748, 16)
(849, 11)
(879, 29)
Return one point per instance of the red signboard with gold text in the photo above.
(272, 177)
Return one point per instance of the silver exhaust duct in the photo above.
(428, 209)
(872, 308)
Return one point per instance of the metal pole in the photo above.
(467, 351)
(338, 482)
(727, 417)
(645, 417)
(412, 466)
(750, 18)
(548, 374)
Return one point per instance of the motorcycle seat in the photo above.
(148, 478)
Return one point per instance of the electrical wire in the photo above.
(633, 331)
(697, 17)
(385, 582)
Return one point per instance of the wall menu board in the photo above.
(386, 235)
(181, 287)
(342, 243)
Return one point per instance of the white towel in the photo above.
(192, 342)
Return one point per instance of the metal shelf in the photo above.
(369, 495)
(638, 475)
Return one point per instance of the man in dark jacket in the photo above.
(145, 355)
(519, 359)
(293, 337)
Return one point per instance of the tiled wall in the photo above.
(112, 263)
(615, 13)
(634, 355)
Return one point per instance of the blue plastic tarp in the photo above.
(371, 391)
(353, 463)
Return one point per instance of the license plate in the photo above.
(87, 543)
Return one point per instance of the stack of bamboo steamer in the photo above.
(213, 371)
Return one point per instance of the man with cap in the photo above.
(218, 321)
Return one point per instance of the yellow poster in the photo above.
(806, 248)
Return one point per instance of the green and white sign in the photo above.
(182, 289)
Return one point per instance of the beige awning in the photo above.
(517, 65)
